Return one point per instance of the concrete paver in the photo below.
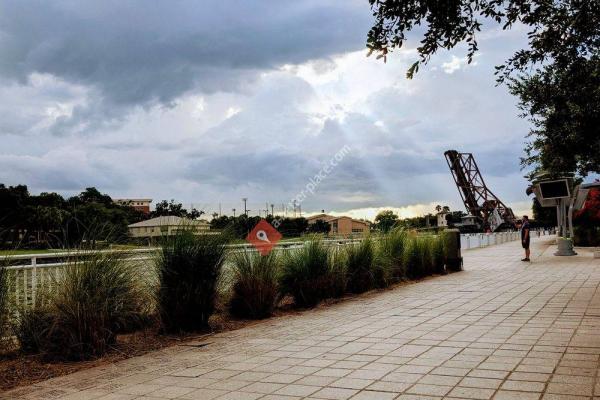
(500, 329)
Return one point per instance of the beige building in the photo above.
(344, 226)
(441, 218)
(165, 226)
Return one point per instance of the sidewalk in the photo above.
(501, 329)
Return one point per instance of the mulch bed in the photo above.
(17, 369)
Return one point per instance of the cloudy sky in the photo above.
(210, 101)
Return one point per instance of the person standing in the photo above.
(526, 237)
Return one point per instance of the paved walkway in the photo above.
(501, 329)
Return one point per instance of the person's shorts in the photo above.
(525, 244)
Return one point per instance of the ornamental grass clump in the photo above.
(255, 286)
(438, 255)
(189, 267)
(412, 259)
(338, 277)
(96, 297)
(361, 261)
(4, 302)
(391, 249)
(425, 245)
(306, 274)
(34, 331)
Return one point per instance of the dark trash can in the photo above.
(454, 260)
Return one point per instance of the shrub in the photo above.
(439, 255)
(383, 272)
(587, 236)
(95, 298)
(360, 266)
(255, 287)
(391, 251)
(306, 274)
(189, 267)
(34, 331)
(4, 301)
(338, 277)
(412, 259)
(425, 245)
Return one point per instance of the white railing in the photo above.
(479, 240)
(33, 272)
(30, 273)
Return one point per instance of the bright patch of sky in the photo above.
(208, 102)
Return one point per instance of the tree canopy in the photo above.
(164, 208)
(555, 77)
(559, 30)
(563, 105)
(386, 220)
(319, 226)
(49, 220)
(242, 224)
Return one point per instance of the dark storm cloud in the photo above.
(191, 100)
(136, 52)
(274, 169)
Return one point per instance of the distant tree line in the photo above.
(166, 208)
(239, 226)
(387, 219)
(49, 220)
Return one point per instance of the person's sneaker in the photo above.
(525, 259)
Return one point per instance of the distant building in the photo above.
(166, 226)
(442, 218)
(343, 225)
(142, 205)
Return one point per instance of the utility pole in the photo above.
(300, 209)
(219, 209)
(294, 208)
(245, 200)
(233, 209)
(266, 210)
(273, 210)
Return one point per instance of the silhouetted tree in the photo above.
(319, 226)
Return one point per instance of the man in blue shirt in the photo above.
(525, 237)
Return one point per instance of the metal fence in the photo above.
(30, 273)
(478, 240)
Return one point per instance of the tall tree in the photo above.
(563, 105)
(386, 220)
(319, 226)
(563, 50)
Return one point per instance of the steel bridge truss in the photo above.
(478, 199)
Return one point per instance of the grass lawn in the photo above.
(49, 251)
(28, 251)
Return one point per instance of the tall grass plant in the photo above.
(306, 273)
(255, 286)
(97, 296)
(189, 267)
